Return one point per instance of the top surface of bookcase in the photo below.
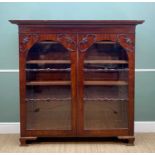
(77, 22)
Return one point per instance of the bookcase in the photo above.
(76, 78)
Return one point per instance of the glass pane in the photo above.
(105, 87)
(48, 90)
(48, 107)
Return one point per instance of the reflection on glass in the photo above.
(105, 87)
(48, 91)
(48, 107)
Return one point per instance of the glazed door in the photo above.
(50, 95)
(103, 86)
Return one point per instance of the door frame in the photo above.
(26, 41)
(85, 40)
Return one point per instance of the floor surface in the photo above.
(145, 142)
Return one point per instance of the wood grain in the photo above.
(76, 39)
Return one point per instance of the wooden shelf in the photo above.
(69, 62)
(106, 83)
(106, 42)
(69, 82)
(106, 70)
(47, 83)
(106, 62)
(47, 69)
(48, 62)
(49, 42)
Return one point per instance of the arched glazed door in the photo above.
(103, 86)
(50, 94)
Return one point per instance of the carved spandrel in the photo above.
(86, 42)
(126, 42)
(68, 41)
(25, 40)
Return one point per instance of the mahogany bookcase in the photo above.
(76, 78)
